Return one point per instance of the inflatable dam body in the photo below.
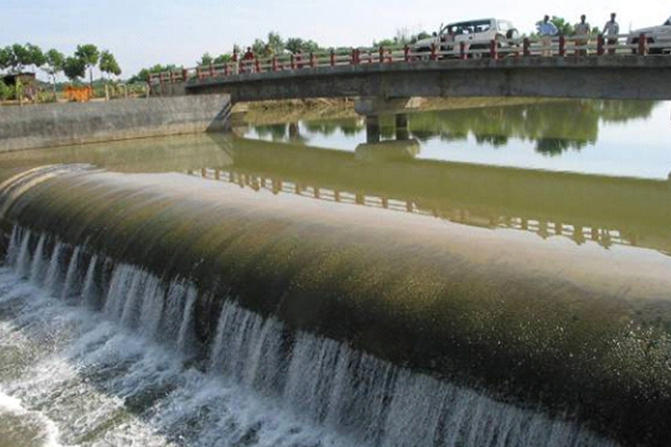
(396, 329)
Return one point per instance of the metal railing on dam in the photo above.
(524, 67)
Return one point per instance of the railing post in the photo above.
(494, 49)
(313, 60)
(381, 50)
(257, 65)
(274, 62)
(599, 45)
(333, 61)
(642, 44)
(433, 52)
(406, 53)
(562, 46)
(293, 62)
(211, 70)
(462, 50)
(526, 43)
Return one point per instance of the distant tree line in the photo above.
(274, 45)
(17, 58)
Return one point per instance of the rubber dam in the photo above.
(379, 328)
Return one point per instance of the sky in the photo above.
(141, 33)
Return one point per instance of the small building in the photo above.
(24, 78)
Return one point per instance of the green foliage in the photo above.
(35, 55)
(564, 28)
(109, 64)
(5, 91)
(89, 55)
(294, 44)
(384, 43)
(21, 57)
(258, 47)
(206, 59)
(143, 75)
(6, 56)
(54, 62)
(74, 68)
(275, 42)
(401, 38)
(222, 59)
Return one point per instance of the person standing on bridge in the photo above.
(582, 31)
(547, 30)
(247, 59)
(611, 29)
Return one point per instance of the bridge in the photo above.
(566, 69)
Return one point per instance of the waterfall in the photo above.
(324, 381)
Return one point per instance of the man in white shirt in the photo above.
(611, 29)
(582, 32)
(546, 30)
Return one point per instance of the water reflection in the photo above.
(581, 208)
(586, 209)
(555, 126)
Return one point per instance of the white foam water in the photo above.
(125, 375)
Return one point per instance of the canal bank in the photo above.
(49, 125)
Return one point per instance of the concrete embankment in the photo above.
(49, 125)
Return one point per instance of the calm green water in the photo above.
(619, 138)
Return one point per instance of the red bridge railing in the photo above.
(574, 46)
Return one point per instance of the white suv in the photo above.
(659, 37)
(477, 34)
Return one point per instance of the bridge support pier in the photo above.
(374, 107)
(372, 129)
(402, 132)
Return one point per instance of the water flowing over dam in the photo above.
(205, 314)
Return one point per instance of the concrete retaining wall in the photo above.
(49, 125)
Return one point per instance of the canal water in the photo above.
(498, 277)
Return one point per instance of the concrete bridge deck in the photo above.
(600, 77)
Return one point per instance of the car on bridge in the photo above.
(476, 35)
(658, 37)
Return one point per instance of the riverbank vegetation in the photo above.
(19, 64)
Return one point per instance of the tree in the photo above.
(74, 68)
(222, 59)
(294, 44)
(310, 46)
(6, 56)
(89, 55)
(54, 62)
(143, 75)
(384, 43)
(5, 91)
(21, 57)
(108, 64)
(35, 55)
(206, 59)
(275, 42)
(298, 45)
(258, 47)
